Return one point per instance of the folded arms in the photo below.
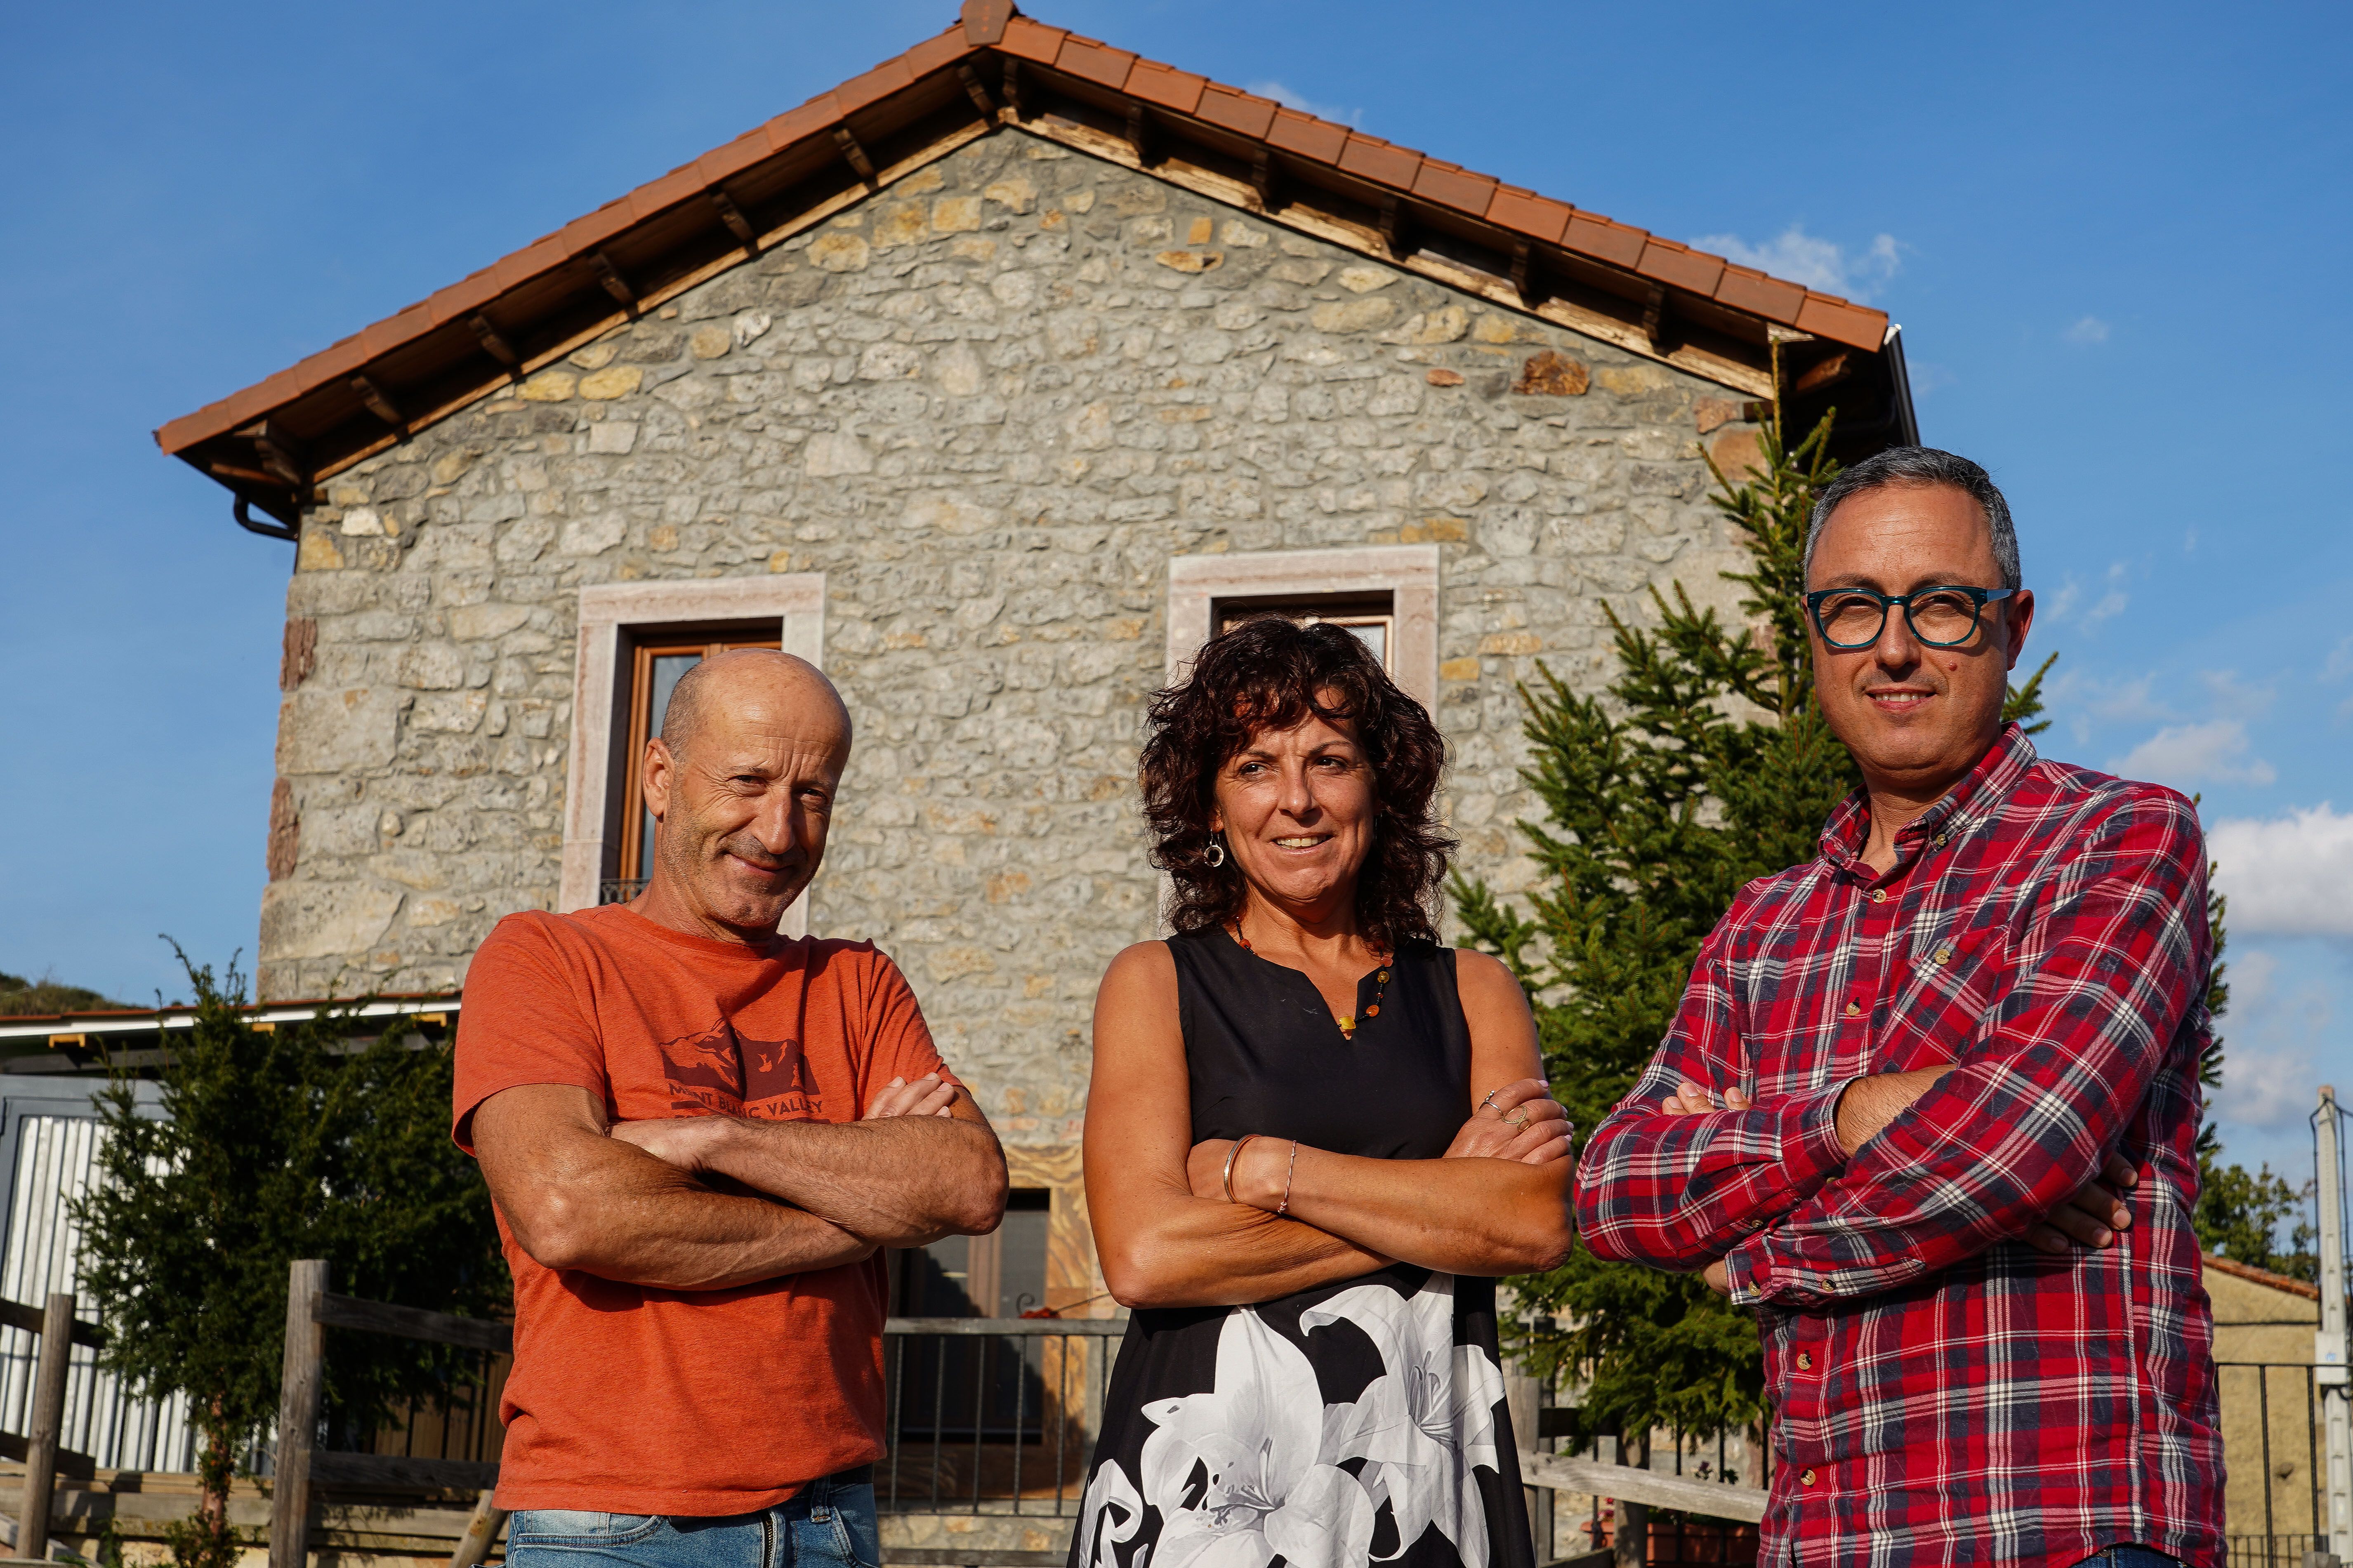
(1861, 1185)
(708, 1203)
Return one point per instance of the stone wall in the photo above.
(989, 404)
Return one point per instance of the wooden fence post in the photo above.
(48, 1424)
(300, 1388)
(481, 1532)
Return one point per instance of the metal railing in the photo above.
(2287, 1442)
(992, 1415)
(620, 890)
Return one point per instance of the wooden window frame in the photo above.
(652, 643)
(1202, 587)
(614, 618)
(1328, 609)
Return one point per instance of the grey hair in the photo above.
(1922, 466)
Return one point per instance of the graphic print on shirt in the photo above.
(723, 1071)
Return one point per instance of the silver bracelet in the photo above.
(1231, 1154)
(1287, 1171)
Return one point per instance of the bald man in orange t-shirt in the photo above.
(698, 1134)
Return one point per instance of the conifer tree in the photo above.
(272, 1145)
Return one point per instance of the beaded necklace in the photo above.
(1347, 1021)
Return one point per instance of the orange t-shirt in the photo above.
(630, 1400)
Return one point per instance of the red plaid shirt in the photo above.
(1944, 1393)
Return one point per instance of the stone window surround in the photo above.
(1407, 573)
(797, 602)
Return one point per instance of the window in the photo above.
(967, 1387)
(1372, 616)
(1385, 593)
(659, 660)
(636, 640)
(1000, 1274)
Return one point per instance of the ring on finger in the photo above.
(1490, 1099)
(1521, 1121)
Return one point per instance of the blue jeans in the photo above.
(2130, 1557)
(828, 1524)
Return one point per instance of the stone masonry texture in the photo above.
(989, 404)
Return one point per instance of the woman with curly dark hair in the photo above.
(1314, 1138)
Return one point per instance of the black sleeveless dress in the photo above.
(1353, 1424)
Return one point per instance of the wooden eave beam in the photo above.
(493, 341)
(854, 152)
(601, 267)
(382, 406)
(975, 91)
(737, 223)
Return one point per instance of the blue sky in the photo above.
(2116, 240)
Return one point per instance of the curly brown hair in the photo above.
(1270, 673)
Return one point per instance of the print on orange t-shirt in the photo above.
(625, 1399)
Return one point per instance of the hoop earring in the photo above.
(1217, 855)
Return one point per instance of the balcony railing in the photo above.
(620, 890)
(992, 1416)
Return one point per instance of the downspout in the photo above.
(1907, 423)
(241, 510)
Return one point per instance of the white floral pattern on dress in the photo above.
(1427, 1421)
(1250, 1470)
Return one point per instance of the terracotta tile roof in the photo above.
(439, 354)
(2248, 1271)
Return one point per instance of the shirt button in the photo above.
(1878, 895)
(1807, 1477)
(1805, 1361)
(1944, 953)
(1940, 841)
(1853, 1009)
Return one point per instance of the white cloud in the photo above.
(2255, 980)
(2232, 695)
(2185, 754)
(2087, 331)
(2112, 604)
(1305, 105)
(2340, 661)
(2287, 876)
(2267, 1088)
(1928, 377)
(1823, 264)
(2087, 698)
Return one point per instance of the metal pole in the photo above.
(48, 1426)
(298, 1392)
(2330, 1368)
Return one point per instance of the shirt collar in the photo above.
(1994, 776)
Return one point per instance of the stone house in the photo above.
(992, 381)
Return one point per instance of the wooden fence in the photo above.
(41, 1448)
(311, 1307)
(310, 1310)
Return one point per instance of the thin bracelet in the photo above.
(1285, 1206)
(1230, 1155)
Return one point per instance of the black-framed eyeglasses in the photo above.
(1944, 615)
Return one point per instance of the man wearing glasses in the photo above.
(1931, 1099)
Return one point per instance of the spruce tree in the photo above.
(271, 1145)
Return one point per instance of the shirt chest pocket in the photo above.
(1952, 984)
